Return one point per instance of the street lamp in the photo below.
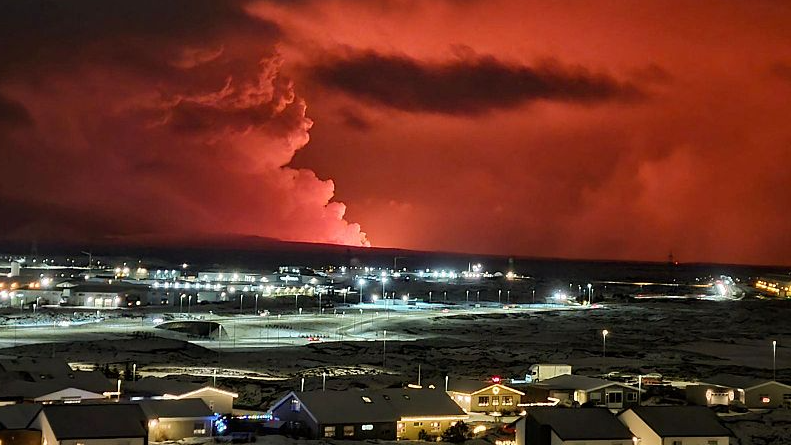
(384, 280)
(499, 294)
(604, 342)
(590, 293)
(774, 359)
(256, 304)
(361, 283)
(384, 348)
(468, 296)
(241, 303)
(189, 304)
(181, 303)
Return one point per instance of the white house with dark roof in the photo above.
(50, 380)
(177, 419)
(675, 425)
(585, 390)
(218, 400)
(571, 426)
(753, 392)
(91, 424)
(387, 414)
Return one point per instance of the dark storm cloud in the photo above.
(168, 115)
(142, 33)
(13, 114)
(467, 86)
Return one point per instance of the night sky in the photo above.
(618, 130)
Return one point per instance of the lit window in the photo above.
(367, 427)
(495, 400)
(508, 400)
(329, 431)
(434, 426)
(765, 398)
(348, 430)
(199, 428)
(367, 399)
(483, 401)
(295, 405)
(417, 424)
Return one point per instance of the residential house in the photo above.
(177, 419)
(709, 394)
(756, 392)
(571, 426)
(50, 380)
(217, 399)
(584, 390)
(91, 424)
(675, 425)
(387, 414)
(14, 424)
(483, 397)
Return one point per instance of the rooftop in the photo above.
(99, 421)
(183, 408)
(682, 421)
(386, 405)
(581, 423)
(573, 381)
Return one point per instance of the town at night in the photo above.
(318, 222)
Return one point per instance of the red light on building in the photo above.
(496, 379)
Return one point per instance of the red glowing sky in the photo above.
(622, 130)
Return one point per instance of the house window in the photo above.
(615, 397)
(765, 398)
(367, 427)
(508, 400)
(434, 426)
(483, 401)
(631, 396)
(329, 431)
(295, 406)
(367, 399)
(712, 442)
(417, 424)
(495, 400)
(199, 428)
(595, 396)
(677, 442)
(348, 430)
(787, 397)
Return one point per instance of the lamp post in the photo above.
(468, 296)
(256, 304)
(241, 303)
(189, 304)
(429, 296)
(361, 283)
(604, 342)
(590, 293)
(774, 359)
(499, 294)
(384, 280)
(181, 303)
(384, 348)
